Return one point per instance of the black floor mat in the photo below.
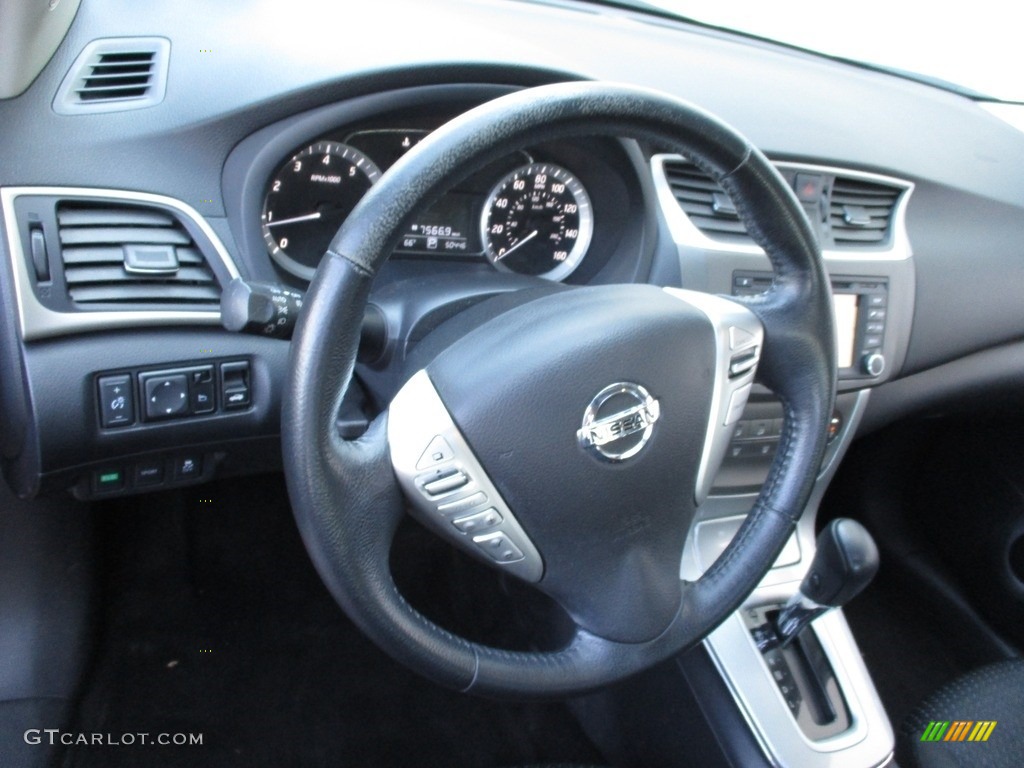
(902, 643)
(216, 624)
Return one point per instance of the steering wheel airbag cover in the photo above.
(518, 388)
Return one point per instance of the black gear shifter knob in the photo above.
(845, 562)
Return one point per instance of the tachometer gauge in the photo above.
(309, 198)
(537, 221)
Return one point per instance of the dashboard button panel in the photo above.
(172, 394)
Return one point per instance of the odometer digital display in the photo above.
(446, 228)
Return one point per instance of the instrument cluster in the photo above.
(529, 212)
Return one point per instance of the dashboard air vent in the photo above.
(704, 201)
(124, 254)
(115, 75)
(860, 212)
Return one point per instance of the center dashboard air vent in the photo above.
(117, 254)
(861, 212)
(846, 212)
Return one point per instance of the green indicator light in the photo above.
(110, 477)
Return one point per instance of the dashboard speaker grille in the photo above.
(117, 254)
(115, 75)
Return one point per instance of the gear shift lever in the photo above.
(845, 562)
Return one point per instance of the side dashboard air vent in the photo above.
(115, 75)
(860, 212)
(120, 254)
(704, 202)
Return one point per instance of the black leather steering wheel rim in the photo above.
(344, 495)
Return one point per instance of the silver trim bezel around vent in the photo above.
(685, 232)
(37, 321)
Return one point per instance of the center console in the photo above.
(812, 703)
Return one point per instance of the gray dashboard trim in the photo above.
(38, 322)
(685, 233)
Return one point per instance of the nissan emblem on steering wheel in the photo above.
(619, 421)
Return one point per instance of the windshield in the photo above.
(975, 46)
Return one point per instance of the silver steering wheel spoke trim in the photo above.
(448, 489)
(739, 339)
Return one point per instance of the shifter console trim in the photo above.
(869, 739)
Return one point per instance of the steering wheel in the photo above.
(568, 438)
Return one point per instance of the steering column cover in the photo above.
(343, 492)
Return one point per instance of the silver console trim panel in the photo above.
(418, 419)
(684, 232)
(869, 742)
(739, 336)
(39, 322)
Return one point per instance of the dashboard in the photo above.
(234, 149)
(236, 163)
(253, 173)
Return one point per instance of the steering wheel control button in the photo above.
(445, 483)
(481, 521)
(166, 395)
(737, 403)
(458, 506)
(499, 547)
(619, 421)
(740, 338)
(743, 361)
(438, 452)
(117, 401)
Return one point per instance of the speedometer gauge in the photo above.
(309, 198)
(537, 221)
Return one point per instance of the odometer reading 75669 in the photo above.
(537, 221)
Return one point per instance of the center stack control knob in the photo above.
(873, 364)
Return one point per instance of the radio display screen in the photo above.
(846, 327)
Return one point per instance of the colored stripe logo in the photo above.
(958, 730)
